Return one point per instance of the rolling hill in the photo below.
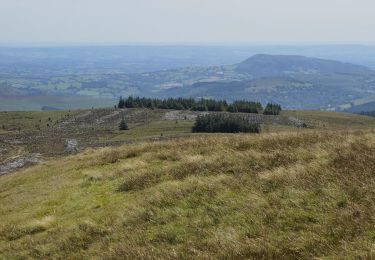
(366, 104)
(293, 81)
(160, 191)
(366, 107)
(263, 65)
(296, 82)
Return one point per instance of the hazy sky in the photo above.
(184, 21)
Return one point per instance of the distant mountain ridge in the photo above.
(369, 106)
(263, 65)
(295, 82)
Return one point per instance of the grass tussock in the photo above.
(270, 196)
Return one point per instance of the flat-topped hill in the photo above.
(263, 65)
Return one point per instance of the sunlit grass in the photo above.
(332, 120)
(160, 128)
(274, 195)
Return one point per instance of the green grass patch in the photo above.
(298, 195)
(162, 128)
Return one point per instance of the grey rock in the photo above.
(19, 162)
(297, 122)
(71, 145)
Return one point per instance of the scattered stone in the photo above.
(297, 122)
(12, 141)
(108, 117)
(3, 150)
(182, 115)
(71, 145)
(19, 162)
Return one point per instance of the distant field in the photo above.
(27, 121)
(35, 103)
(333, 120)
(295, 82)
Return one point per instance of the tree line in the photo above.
(241, 106)
(224, 123)
(368, 113)
(272, 109)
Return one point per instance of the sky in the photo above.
(187, 21)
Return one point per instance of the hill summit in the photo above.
(263, 65)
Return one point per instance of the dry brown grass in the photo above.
(282, 196)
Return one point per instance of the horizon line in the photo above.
(187, 44)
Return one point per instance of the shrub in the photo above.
(123, 125)
(224, 123)
(368, 113)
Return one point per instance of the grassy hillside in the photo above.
(45, 133)
(332, 120)
(276, 195)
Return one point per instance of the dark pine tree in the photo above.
(224, 123)
(272, 109)
(121, 103)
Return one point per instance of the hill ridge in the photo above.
(270, 65)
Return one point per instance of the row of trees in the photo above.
(170, 103)
(224, 123)
(272, 109)
(245, 107)
(368, 113)
(199, 105)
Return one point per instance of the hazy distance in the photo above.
(186, 21)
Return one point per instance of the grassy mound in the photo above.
(285, 195)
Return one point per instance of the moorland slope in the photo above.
(274, 195)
